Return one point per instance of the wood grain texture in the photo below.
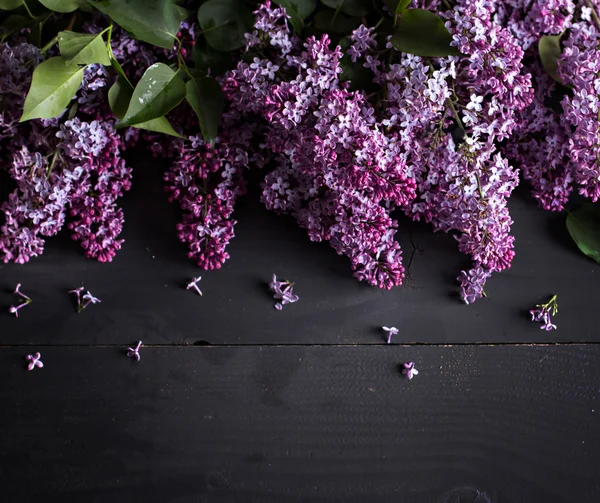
(296, 424)
(143, 296)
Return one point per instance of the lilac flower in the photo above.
(283, 291)
(34, 361)
(134, 352)
(194, 284)
(391, 331)
(15, 309)
(409, 370)
(544, 312)
(84, 300)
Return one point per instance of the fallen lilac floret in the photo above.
(391, 331)
(34, 361)
(134, 352)
(409, 370)
(84, 300)
(283, 292)
(194, 284)
(543, 313)
(15, 309)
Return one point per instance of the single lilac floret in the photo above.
(134, 352)
(409, 370)
(391, 331)
(34, 361)
(194, 284)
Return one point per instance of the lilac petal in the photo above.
(39, 364)
(30, 366)
(278, 306)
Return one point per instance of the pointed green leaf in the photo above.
(119, 96)
(584, 226)
(53, 85)
(63, 5)
(82, 48)
(327, 21)
(10, 4)
(550, 51)
(153, 21)
(422, 33)
(304, 8)
(402, 6)
(205, 96)
(350, 7)
(14, 23)
(159, 90)
(224, 23)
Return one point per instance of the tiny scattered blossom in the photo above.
(543, 313)
(194, 284)
(15, 309)
(84, 300)
(34, 361)
(391, 331)
(409, 370)
(135, 352)
(283, 292)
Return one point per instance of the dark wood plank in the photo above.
(143, 296)
(295, 424)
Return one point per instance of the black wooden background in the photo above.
(235, 401)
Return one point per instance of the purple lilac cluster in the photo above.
(74, 172)
(206, 180)
(283, 292)
(444, 117)
(543, 313)
(336, 172)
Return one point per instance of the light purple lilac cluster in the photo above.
(444, 117)
(556, 144)
(283, 292)
(544, 312)
(63, 168)
(336, 171)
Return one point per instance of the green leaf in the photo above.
(360, 78)
(14, 23)
(119, 96)
(328, 22)
(224, 23)
(422, 33)
(153, 21)
(82, 49)
(53, 85)
(10, 4)
(550, 51)
(292, 11)
(304, 8)
(63, 5)
(205, 58)
(159, 90)
(350, 7)
(206, 98)
(584, 226)
(401, 7)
